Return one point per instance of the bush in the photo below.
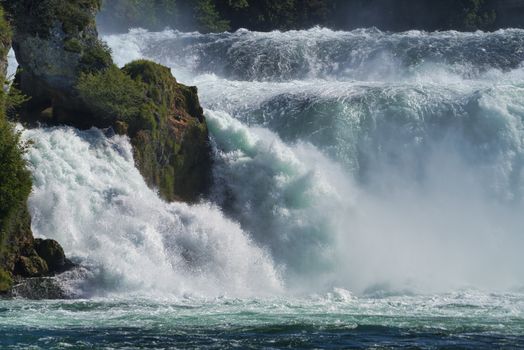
(111, 95)
(96, 57)
(15, 179)
(73, 45)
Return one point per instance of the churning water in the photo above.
(368, 193)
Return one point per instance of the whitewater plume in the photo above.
(364, 159)
(89, 195)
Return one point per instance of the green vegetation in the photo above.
(5, 281)
(476, 15)
(163, 119)
(265, 15)
(111, 95)
(73, 15)
(15, 179)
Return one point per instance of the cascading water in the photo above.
(368, 189)
(364, 159)
(89, 195)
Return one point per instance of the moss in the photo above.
(15, 182)
(39, 17)
(5, 34)
(163, 119)
(73, 45)
(6, 281)
(31, 266)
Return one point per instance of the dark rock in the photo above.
(53, 254)
(31, 266)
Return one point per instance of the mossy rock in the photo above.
(31, 266)
(39, 17)
(6, 281)
(164, 120)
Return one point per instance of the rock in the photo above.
(53, 254)
(31, 266)
(38, 289)
(174, 154)
(71, 79)
(54, 41)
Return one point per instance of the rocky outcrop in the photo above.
(71, 79)
(54, 40)
(18, 249)
(163, 119)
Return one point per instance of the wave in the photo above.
(363, 54)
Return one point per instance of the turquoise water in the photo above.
(468, 320)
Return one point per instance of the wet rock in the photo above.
(53, 254)
(38, 288)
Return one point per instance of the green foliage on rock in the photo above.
(5, 34)
(15, 179)
(95, 57)
(5, 281)
(163, 119)
(15, 184)
(475, 15)
(31, 266)
(111, 95)
(73, 16)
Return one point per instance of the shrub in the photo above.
(96, 57)
(112, 95)
(15, 184)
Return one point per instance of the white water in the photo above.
(89, 196)
(362, 160)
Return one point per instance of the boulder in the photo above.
(53, 254)
(54, 40)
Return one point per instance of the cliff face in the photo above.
(71, 79)
(18, 249)
(54, 40)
